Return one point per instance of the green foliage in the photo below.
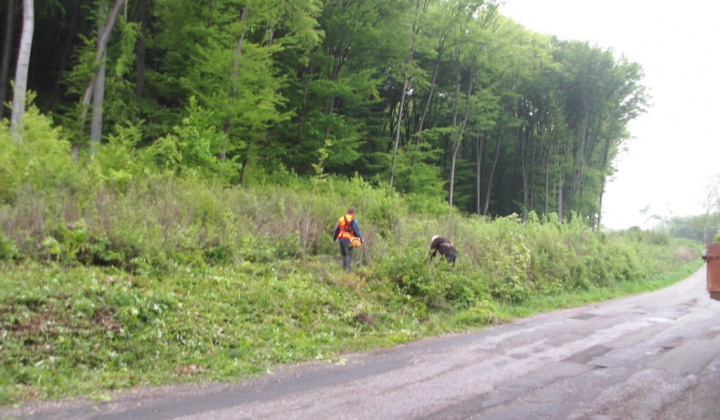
(126, 60)
(169, 279)
(42, 161)
(236, 91)
(121, 105)
(702, 228)
(118, 163)
(192, 147)
(417, 174)
(85, 66)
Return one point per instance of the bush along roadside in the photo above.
(151, 286)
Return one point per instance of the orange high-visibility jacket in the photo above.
(346, 227)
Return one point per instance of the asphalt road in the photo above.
(651, 356)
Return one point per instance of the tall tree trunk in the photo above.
(97, 110)
(492, 171)
(461, 134)
(580, 159)
(7, 47)
(600, 203)
(479, 148)
(103, 40)
(400, 115)
(561, 180)
(533, 144)
(421, 123)
(235, 75)
(455, 140)
(420, 7)
(603, 180)
(453, 160)
(21, 71)
(98, 96)
(438, 58)
(522, 137)
(548, 151)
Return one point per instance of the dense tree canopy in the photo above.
(436, 98)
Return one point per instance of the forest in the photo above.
(432, 99)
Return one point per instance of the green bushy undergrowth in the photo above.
(171, 279)
(87, 331)
(121, 271)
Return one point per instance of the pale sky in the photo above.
(675, 147)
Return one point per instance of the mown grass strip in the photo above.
(86, 331)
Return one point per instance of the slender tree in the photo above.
(21, 70)
(419, 11)
(470, 41)
(234, 77)
(442, 24)
(96, 86)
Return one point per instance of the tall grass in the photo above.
(115, 276)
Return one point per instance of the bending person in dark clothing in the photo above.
(444, 247)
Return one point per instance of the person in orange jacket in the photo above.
(346, 229)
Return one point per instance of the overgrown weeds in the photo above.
(116, 276)
(173, 280)
(80, 330)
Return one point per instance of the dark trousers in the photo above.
(346, 250)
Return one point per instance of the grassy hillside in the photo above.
(162, 279)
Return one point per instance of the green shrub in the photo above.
(118, 162)
(42, 161)
(159, 221)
